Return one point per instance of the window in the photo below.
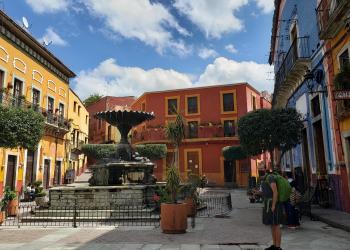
(75, 107)
(86, 119)
(229, 128)
(344, 59)
(172, 106)
(315, 106)
(143, 106)
(193, 129)
(79, 109)
(17, 88)
(192, 105)
(2, 78)
(227, 102)
(254, 102)
(50, 104)
(61, 110)
(36, 98)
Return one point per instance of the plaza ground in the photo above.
(241, 230)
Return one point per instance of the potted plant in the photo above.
(173, 214)
(2, 212)
(10, 202)
(190, 191)
(40, 194)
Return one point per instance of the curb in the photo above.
(331, 223)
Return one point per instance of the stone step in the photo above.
(151, 218)
(93, 212)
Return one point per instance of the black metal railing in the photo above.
(298, 50)
(327, 11)
(51, 117)
(214, 205)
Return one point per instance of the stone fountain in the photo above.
(125, 167)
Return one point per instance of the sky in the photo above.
(127, 47)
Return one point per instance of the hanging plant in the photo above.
(342, 79)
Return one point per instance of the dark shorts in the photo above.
(273, 218)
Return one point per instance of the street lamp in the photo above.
(315, 77)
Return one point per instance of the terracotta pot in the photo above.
(191, 207)
(2, 217)
(173, 218)
(12, 208)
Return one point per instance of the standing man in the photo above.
(273, 210)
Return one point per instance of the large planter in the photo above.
(191, 207)
(173, 218)
(2, 217)
(12, 208)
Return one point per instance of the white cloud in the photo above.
(214, 18)
(205, 53)
(267, 6)
(231, 48)
(225, 71)
(51, 36)
(148, 22)
(112, 79)
(48, 6)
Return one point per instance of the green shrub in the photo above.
(39, 189)
(99, 151)
(152, 151)
(234, 153)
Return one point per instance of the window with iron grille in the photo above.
(229, 128)
(193, 129)
(36, 98)
(228, 102)
(172, 106)
(50, 104)
(192, 105)
(344, 59)
(315, 106)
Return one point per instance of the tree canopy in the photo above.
(152, 151)
(92, 99)
(265, 130)
(20, 128)
(234, 153)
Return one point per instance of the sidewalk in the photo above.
(332, 217)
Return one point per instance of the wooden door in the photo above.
(30, 170)
(306, 159)
(46, 177)
(319, 145)
(11, 172)
(193, 162)
(57, 178)
(230, 173)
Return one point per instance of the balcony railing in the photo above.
(203, 132)
(51, 118)
(330, 14)
(299, 50)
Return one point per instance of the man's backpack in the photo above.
(283, 187)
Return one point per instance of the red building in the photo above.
(100, 131)
(211, 114)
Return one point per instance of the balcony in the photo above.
(292, 70)
(331, 16)
(204, 132)
(54, 123)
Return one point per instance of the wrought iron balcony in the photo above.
(52, 120)
(331, 15)
(292, 69)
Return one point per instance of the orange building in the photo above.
(211, 115)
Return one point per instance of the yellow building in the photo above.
(32, 74)
(79, 133)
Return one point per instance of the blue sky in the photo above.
(127, 47)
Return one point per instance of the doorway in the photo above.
(230, 173)
(30, 169)
(57, 178)
(46, 177)
(11, 172)
(319, 148)
(306, 159)
(193, 163)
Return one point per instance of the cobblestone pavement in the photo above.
(242, 230)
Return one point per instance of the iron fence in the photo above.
(214, 205)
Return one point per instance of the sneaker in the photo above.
(272, 247)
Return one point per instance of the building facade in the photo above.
(211, 115)
(78, 135)
(302, 81)
(32, 77)
(100, 132)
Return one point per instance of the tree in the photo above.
(175, 132)
(234, 153)
(265, 130)
(20, 128)
(152, 151)
(92, 99)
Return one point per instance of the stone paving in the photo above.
(242, 230)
